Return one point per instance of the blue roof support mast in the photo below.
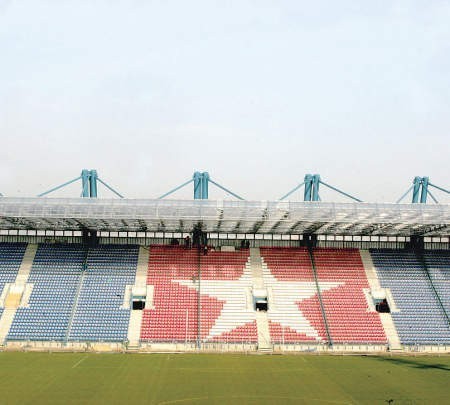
(198, 177)
(201, 187)
(421, 188)
(205, 181)
(89, 179)
(85, 183)
(307, 191)
(424, 194)
(311, 191)
(416, 189)
(93, 184)
(315, 187)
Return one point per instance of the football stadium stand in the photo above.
(318, 296)
(91, 274)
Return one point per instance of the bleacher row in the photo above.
(78, 294)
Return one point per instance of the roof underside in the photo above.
(276, 217)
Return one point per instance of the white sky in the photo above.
(258, 93)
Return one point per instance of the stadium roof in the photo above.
(277, 217)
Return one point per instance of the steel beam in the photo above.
(439, 188)
(197, 178)
(340, 191)
(424, 193)
(292, 191)
(109, 187)
(416, 189)
(93, 183)
(205, 181)
(85, 178)
(58, 187)
(225, 189)
(308, 186)
(175, 189)
(315, 187)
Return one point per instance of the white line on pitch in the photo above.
(79, 361)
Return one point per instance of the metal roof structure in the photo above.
(263, 217)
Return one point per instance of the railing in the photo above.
(77, 294)
(319, 295)
(218, 347)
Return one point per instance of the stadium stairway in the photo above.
(17, 294)
(262, 321)
(374, 284)
(5, 323)
(134, 326)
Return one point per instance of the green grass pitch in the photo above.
(78, 378)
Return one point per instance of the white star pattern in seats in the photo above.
(283, 305)
(286, 295)
(236, 309)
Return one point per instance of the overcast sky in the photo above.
(258, 93)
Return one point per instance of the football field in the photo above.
(41, 378)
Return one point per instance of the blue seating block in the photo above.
(99, 316)
(55, 275)
(421, 319)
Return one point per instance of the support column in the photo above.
(199, 299)
(90, 238)
(93, 184)
(205, 185)
(416, 189)
(319, 295)
(85, 175)
(315, 185)
(308, 186)
(197, 186)
(309, 240)
(424, 194)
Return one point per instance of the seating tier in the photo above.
(99, 314)
(348, 316)
(420, 319)
(174, 272)
(294, 312)
(55, 275)
(438, 265)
